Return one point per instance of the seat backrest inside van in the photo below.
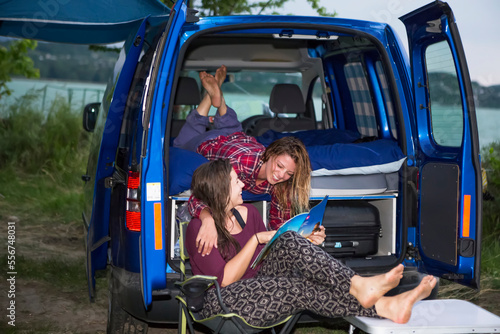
(285, 99)
(187, 94)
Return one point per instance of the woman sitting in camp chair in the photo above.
(296, 275)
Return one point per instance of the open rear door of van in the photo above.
(448, 236)
(153, 202)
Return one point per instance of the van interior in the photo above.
(332, 89)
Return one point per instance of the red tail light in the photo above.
(133, 209)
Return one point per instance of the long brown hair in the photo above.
(211, 183)
(295, 190)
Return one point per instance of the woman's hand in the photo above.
(264, 237)
(318, 237)
(207, 235)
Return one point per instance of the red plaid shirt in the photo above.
(244, 153)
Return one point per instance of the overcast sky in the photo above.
(478, 22)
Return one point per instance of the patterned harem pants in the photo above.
(295, 276)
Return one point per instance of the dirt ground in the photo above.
(43, 307)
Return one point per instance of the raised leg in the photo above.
(214, 96)
(220, 76)
(211, 85)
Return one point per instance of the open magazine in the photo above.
(304, 224)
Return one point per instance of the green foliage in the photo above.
(491, 162)
(491, 208)
(42, 158)
(15, 61)
(491, 216)
(322, 11)
(35, 143)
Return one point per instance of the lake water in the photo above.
(80, 93)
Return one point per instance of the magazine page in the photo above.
(303, 223)
(314, 220)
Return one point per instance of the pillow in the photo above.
(311, 137)
(182, 164)
(379, 156)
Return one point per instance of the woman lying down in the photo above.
(296, 275)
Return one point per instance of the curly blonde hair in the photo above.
(297, 189)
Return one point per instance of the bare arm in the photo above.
(237, 266)
(206, 239)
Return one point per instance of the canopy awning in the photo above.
(75, 21)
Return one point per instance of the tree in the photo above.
(230, 7)
(15, 61)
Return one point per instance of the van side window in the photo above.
(389, 106)
(446, 110)
(361, 99)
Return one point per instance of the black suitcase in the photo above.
(352, 228)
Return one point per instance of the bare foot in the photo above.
(220, 75)
(368, 290)
(209, 82)
(398, 308)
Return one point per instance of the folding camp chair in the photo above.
(191, 296)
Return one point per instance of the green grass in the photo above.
(54, 144)
(26, 195)
(64, 274)
(42, 159)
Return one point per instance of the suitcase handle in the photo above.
(342, 244)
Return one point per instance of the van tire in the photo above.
(119, 321)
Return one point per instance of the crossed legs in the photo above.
(214, 96)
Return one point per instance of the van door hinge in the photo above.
(111, 181)
(191, 16)
(412, 252)
(434, 26)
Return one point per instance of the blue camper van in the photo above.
(357, 88)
